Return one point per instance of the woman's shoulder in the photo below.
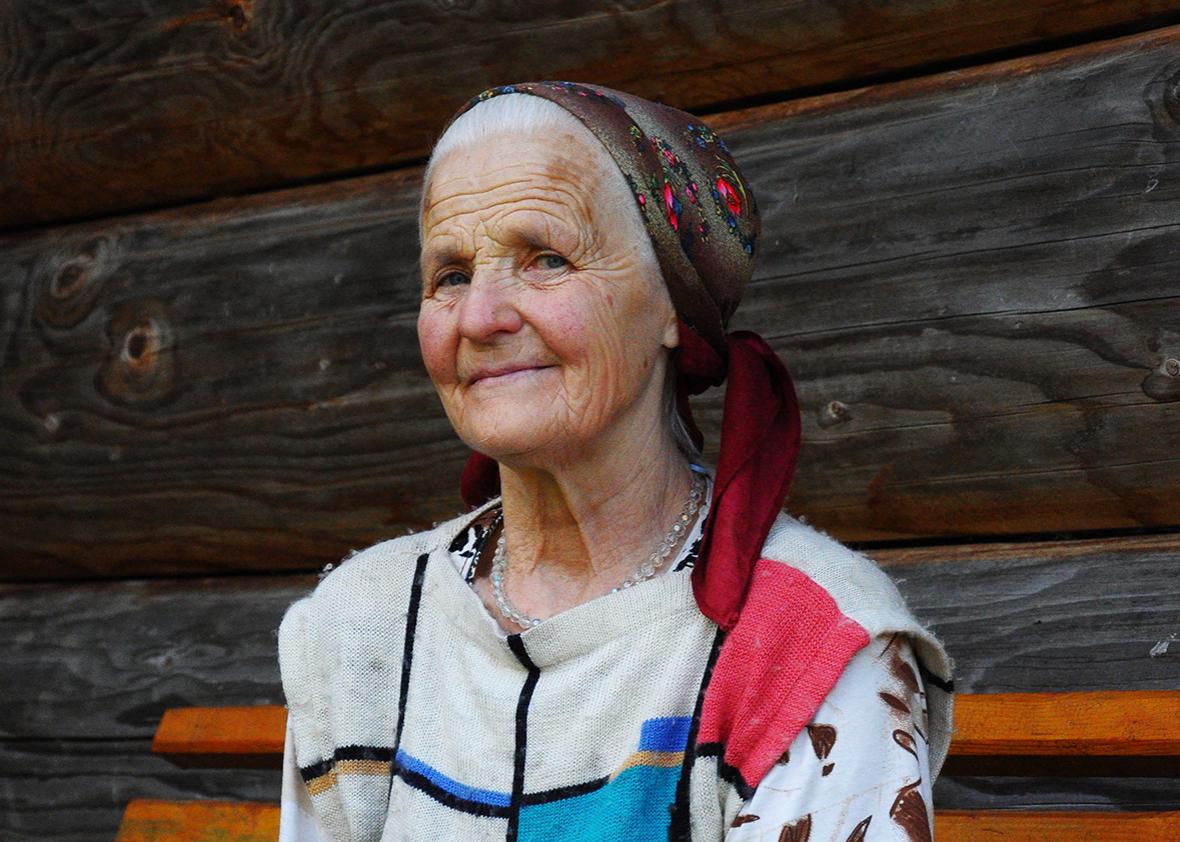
(855, 583)
(344, 641)
(861, 762)
(388, 563)
(812, 604)
(365, 590)
(847, 596)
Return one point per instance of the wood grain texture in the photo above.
(153, 820)
(1021, 251)
(1082, 616)
(953, 792)
(973, 284)
(105, 660)
(114, 106)
(1050, 617)
(77, 790)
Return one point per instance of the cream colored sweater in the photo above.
(629, 716)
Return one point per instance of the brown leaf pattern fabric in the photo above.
(860, 770)
(799, 831)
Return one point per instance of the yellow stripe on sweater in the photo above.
(326, 781)
(664, 759)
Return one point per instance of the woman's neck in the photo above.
(574, 533)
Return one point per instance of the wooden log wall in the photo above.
(971, 246)
(110, 106)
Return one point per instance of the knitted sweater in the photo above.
(571, 730)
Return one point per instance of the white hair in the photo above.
(523, 114)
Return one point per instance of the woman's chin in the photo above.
(521, 449)
(522, 442)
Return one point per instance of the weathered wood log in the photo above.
(109, 106)
(78, 789)
(1012, 791)
(1085, 615)
(105, 660)
(1050, 616)
(973, 283)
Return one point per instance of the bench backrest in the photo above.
(1134, 732)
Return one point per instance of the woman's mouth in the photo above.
(504, 374)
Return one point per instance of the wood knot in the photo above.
(238, 13)
(141, 366)
(69, 283)
(1163, 384)
(835, 412)
(1162, 95)
(141, 345)
(71, 277)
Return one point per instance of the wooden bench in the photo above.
(1134, 732)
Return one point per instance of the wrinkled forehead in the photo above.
(559, 169)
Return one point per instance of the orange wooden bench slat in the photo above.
(1131, 723)
(255, 731)
(205, 821)
(151, 820)
(1109, 723)
(1055, 826)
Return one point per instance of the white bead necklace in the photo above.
(646, 570)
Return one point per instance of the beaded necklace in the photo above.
(648, 569)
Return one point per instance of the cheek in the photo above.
(600, 338)
(434, 341)
(582, 335)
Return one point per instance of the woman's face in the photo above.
(543, 324)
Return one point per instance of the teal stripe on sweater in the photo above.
(635, 806)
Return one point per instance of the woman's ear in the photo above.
(671, 337)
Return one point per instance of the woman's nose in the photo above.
(489, 306)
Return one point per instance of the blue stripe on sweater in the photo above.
(469, 793)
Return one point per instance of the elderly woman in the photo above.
(616, 642)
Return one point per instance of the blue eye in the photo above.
(452, 279)
(552, 261)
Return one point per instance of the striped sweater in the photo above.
(630, 716)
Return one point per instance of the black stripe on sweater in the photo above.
(730, 774)
(563, 792)
(522, 725)
(407, 661)
(680, 828)
(315, 770)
